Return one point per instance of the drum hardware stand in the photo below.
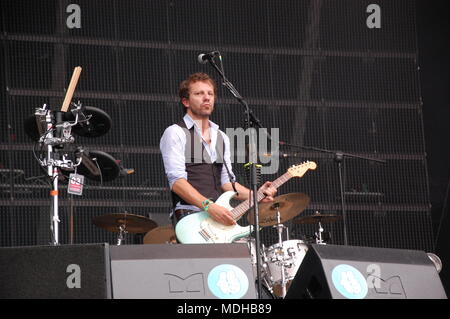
(122, 231)
(52, 162)
(318, 235)
(122, 234)
(280, 258)
(319, 240)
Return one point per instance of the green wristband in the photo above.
(205, 204)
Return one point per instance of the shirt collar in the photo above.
(190, 122)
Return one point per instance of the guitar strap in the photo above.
(222, 160)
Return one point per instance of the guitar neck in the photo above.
(243, 207)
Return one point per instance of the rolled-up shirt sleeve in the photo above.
(172, 145)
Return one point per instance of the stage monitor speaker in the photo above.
(54, 272)
(338, 272)
(188, 271)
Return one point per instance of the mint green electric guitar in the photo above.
(200, 228)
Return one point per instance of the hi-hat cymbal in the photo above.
(289, 206)
(161, 235)
(131, 223)
(316, 218)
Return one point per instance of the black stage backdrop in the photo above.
(323, 72)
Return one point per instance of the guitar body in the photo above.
(200, 228)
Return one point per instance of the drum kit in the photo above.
(280, 261)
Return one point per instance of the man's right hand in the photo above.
(221, 214)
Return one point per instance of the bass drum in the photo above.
(289, 255)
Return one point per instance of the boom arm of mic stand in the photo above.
(316, 149)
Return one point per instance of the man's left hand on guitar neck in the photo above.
(268, 190)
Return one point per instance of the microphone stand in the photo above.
(251, 121)
(339, 158)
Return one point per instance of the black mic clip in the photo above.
(77, 112)
(205, 57)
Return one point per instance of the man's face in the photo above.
(200, 103)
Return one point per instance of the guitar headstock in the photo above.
(300, 169)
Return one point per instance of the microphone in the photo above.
(205, 57)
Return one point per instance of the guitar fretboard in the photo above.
(243, 207)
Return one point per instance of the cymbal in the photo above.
(132, 223)
(94, 122)
(161, 235)
(289, 205)
(316, 218)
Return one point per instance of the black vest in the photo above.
(202, 174)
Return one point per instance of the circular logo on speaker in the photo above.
(227, 282)
(349, 282)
